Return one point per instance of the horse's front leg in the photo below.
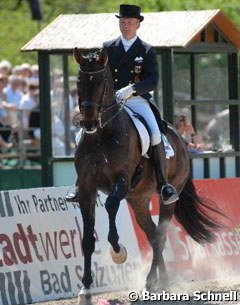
(87, 206)
(119, 192)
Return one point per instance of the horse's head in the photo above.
(93, 87)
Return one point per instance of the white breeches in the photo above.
(139, 105)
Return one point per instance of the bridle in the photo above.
(102, 107)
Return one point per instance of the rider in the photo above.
(134, 69)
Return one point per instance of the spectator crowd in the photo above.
(19, 110)
(20, 113)
(19, 100)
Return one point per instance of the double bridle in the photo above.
(102, 107)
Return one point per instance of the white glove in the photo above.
(125, 92)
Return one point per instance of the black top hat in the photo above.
(130, 11)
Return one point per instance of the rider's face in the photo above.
(129, 27)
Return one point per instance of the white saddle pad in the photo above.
(142, 131)
(168, 147)
(144, 136)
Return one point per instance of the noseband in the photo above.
(102, 107)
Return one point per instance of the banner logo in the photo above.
(6, 209)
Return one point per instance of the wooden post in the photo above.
(167, 86)
(234, 109)
(45, 118)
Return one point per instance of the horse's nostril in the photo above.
(91, 125)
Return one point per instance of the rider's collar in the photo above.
(127, 43)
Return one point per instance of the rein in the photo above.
(102, 105)
(120, 105)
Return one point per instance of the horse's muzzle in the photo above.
(90, 113)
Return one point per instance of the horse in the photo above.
(108, 159)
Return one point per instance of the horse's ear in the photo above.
(77, 54)
(104, 56)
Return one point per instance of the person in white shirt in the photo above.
(28, 102)
(13, 96)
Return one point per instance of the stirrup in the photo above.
(169, 194)
(73, 196)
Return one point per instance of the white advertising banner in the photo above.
(41, 256)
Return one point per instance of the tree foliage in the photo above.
(17, 28)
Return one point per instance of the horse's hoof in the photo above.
(121, 256)
(151, 284)
(150, 288)
(85, 297)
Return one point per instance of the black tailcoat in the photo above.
(137, 66)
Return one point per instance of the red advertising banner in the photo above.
(187, 258)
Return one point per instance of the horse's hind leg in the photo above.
(120, 189)
(144, 220)
(157, 277)
(166, 213)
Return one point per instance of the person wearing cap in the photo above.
(29, 101)
(5, 67)
(134, 69)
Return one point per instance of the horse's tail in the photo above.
(192, 211)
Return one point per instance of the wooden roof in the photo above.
(163, 29)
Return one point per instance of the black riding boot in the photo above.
(73, 194)
(167, 191)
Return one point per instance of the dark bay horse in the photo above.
(108, 158)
